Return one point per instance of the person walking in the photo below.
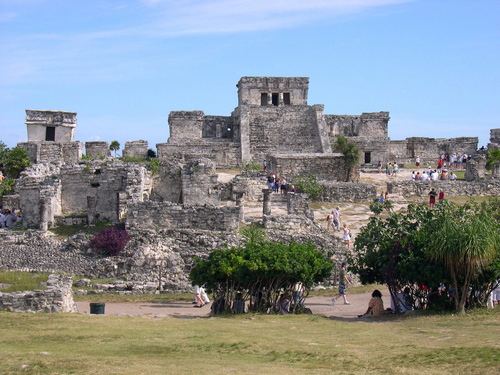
(347, 235)
(343, 283)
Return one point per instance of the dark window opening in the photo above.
(286, 98)
(275, 98)
(50, 133)
(95, 185)
(263, 98)
(368, 157)
(97, 171)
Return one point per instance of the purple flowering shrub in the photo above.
(110, 241)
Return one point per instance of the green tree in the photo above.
(262, 270)
(352, 155)
(114, 146)
(16, 161)
(466, 239)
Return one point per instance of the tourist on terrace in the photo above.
(453, 176)
(347, 235)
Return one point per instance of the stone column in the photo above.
(44, 214)
(267, 202)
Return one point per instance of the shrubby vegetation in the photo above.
(308, 184)
(111, 241)
(458, 246)
(13, 161)
(260, 272)
(253, 166)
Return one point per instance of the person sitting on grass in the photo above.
(376, 305)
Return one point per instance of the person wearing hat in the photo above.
(343, 283)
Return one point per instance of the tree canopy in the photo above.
(424, 247)
(260, 271)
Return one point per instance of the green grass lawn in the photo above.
(253, 344)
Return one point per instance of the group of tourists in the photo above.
(9, 217)
(333, 223)
(391, 169)
(279, 185)
(433, 175)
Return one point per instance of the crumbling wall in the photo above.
(341, 192)
(53, 152)
(57, 297)
(97, 149)
(488, 188)
(324, 166)
(103, 188)
(137, 149)
(199, 183)
(164, 215)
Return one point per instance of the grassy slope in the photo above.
(96, 344)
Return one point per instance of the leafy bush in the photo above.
(110, 241)
(16, 161)
(308, 184)
(6, 186)
(252, 166)
(154, 166)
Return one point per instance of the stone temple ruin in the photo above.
(184, 209)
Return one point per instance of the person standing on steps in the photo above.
(343, 283)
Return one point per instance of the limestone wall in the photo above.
(57, 297)
(163, 215)
(324, 166)
(53, 152)
(340, 192)
(97, 148)
(199, 183)
(137, 149)
(279, 130)
(461, 188)
(429, 149)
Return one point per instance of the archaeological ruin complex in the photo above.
(182, 209)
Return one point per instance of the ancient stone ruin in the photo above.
(183, 208)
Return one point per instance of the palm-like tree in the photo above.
(352, 155)
(114, 146)
(465, 239)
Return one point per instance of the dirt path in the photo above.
(318, 305)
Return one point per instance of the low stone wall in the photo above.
(71, 220)
(340, 192)
(57, 297)
(164, 215)
(248, 183)
(461, 188)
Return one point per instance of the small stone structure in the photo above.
(100, 189)
(51, 137)
(52, 126)
(57, 297)
(97, 149)
(138, 149)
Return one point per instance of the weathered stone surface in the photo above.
(137, 149)
(459, 188)
(57, 297)
(339, 192)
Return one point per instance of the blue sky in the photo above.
(123, 65)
